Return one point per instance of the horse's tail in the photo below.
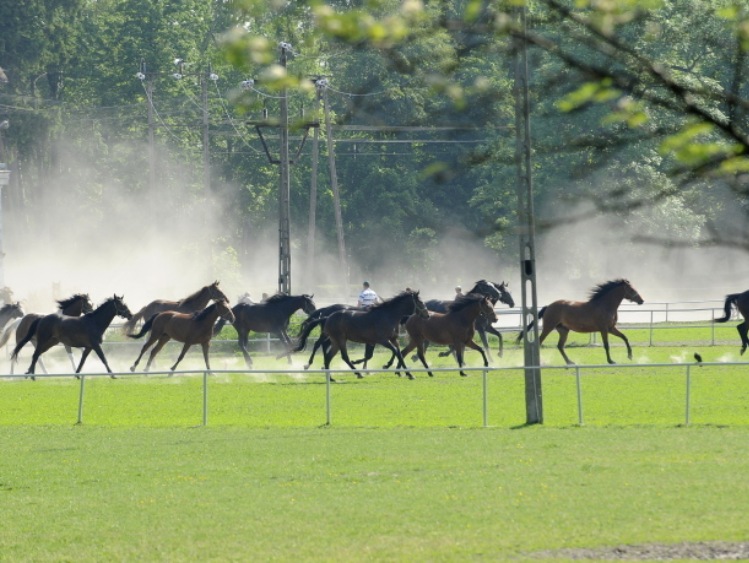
(146, 327)
(29, 335)
(523, 332)
(730, 300)
(306, 328)
(7, 331)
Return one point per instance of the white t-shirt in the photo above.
(367, 298)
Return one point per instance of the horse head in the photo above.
(486, 310)
(308, 305)
(419, 307)
(631, 293)
(504, 294)
(215, 293)
(225, 311)
(120, 308)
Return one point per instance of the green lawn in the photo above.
(405, 471)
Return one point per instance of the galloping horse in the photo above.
(80, 332)
(741, 302)
(456, 328)
(495, 292)
(74, 306)
(188, 328)
(598, 314)
(190, 304)
(272, 317)
(376, 325)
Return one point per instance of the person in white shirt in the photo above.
(367, 297)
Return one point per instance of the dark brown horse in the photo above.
(79, 332)
(188, 328)
(376, 325)
(456, 328)
(598, 314)
(272, 317)
(190, 304)
(741, 302)
(74, 306)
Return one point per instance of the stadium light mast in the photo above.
(526, 228)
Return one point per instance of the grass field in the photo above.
(405, 472)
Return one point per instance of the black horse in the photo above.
(496, 292)
(272, 317)
(79, 332)
(373, 326)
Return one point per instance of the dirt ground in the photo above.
(731, 551)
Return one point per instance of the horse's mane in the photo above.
(62, 303)
(464, 301)
(193, 295)
(481, 285)
(388, 302)
(200, 315)
(276, 298)
(9, 306)
(602, 289)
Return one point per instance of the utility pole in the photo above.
(526, 229)
(311, 234)
(284, 192)
(147, 81)
(323, 85)
(204, 78)
(4, 180)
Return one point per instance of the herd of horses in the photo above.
(195, 320)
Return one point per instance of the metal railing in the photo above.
(578, 371)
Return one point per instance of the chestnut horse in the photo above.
(74, 306)
(456, 328)
(190, 304)
(598, 314)
(79, 332)
(741, 302)
(188, 328)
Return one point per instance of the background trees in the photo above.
(638, 110)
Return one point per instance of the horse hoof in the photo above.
(306, 366)
(359, 376)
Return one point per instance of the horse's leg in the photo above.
(344, 355)
(146, 346)
(742, 328)
(395, 349)
(206, 347)
(616, 332)
(315, 347)
(605, 340)
(491, 330)
(286, 341)
(69, 351)
(484, 340)
(159, 345)
(563, 333)
(394, 342)
(100, 353)
(459, 350)
(421, 349)
(243, 338)
(472, 345)
(329, 354)
(86, 352)
(185, 348)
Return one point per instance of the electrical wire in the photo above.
(231, 121)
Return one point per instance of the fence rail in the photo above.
(577, 370)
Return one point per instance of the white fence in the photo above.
(578, 371)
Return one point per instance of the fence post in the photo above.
(688, 394)
(80, 401)
(579, 396)
(486, 404)
(712, 324)
(327, 397)
(651, 328)
(205, 398)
